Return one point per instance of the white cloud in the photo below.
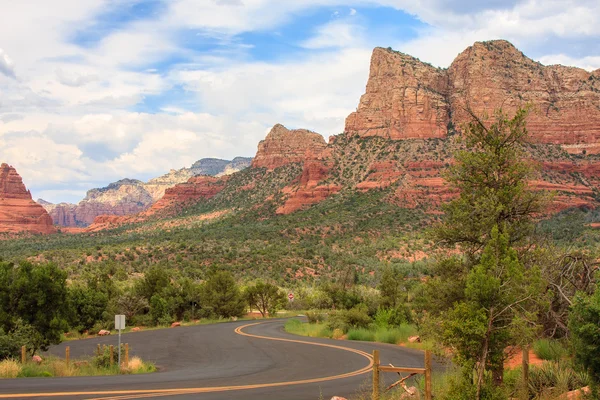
(66, 122)
(7, 66)
(336, 34)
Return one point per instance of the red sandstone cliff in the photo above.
(283, 146)
(406, 98)
(18, 212)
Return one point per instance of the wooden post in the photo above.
(428, 389)
(375, 374)
(112, 355)
(23, 354)
(68, 354)
(526, 368)
(98, 351)
(126, 355)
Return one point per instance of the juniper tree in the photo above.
(486, 299)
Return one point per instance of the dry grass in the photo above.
(9, 369)
(135, 364)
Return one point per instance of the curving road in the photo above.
(238, 360)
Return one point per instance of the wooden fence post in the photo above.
(23, 354)
(126, 355)
(525, 368)
(98, 351)
(112, 355)
(428, 389)
(375, 374)
(68, 354)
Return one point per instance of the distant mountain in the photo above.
(130, 196)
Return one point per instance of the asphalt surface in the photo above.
(212, 361)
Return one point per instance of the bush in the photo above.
(554, 378)
(361, 334)
(314, 317)
(550, 350)
(347, 319)
(103, 359)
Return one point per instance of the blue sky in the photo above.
(99, 90)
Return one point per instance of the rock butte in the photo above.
(18, 212)
(283, 146)
(408, 99)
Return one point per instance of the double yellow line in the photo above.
(138, 394)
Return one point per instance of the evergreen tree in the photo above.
(486, 299)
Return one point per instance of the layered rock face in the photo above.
(18, 212)
(492, 75)
(131, 196)
(198, 187)
(283, 146)
(406, 98)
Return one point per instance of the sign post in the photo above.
(119, 324)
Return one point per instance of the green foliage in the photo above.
(36, 295)
(88, 306)
(222, 295)
(315, 317)
(266, 297)
(102, 360)
(363, 334)
(584, 325)
(550, 350)
(488, 299)
(555, 378)
(156, 279)
(491, 175)
(347, 319)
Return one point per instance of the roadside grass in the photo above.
(392, 335)
(296, 327)
(56, 367)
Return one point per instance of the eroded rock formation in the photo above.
(18, 212)
(283, 146)
(406, 98)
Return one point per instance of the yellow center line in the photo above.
(141, 393)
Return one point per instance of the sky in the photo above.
(92, 91)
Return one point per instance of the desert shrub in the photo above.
(102, 360)
(314, 317)
(554, 378)
(361, 334)
(550, 350)
(347, 319)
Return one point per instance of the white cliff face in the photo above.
(130, 196)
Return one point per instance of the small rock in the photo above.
(338, 398)
(36, 359)
(414, 339)
(234, 318)
(103, 332)
(136, 329)
(175, 324)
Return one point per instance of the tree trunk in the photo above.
(483, 357)
(498, 374)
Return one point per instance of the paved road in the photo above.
(235, 360)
